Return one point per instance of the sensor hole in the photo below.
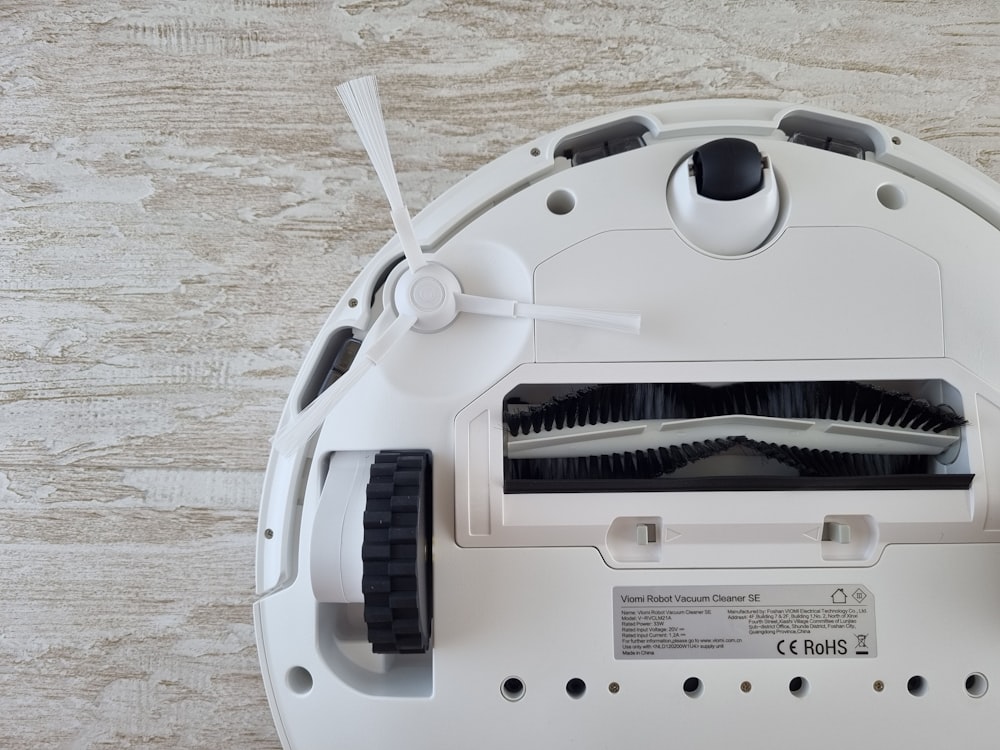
(891, 196)
(512, 688)
(799, 687)
(693, 687)
(917, 685)
(300, 680)
(561, 202)
(575, 688)
(976, 685)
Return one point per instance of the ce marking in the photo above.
(793, 647)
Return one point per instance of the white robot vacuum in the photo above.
(679, 427)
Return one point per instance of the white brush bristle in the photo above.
(361, 100)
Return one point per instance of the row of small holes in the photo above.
(976, 686)
(300, 681)
(891, 196)
(561, 202)
(513, 688)
(797, 686)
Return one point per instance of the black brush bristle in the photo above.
(816, 463)
(839, 400)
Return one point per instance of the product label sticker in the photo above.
(812, 621)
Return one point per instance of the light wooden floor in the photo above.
(181, 202)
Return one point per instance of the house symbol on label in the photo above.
(839, 597)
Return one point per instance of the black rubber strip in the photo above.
(741, 484)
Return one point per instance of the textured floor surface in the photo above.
(182, 201)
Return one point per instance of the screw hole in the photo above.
(891, 196)
(745, 686)
(536, 152)
(575, 688)
(799, 687)
(917, 685)
(300, 680)
(693, 687)
(976, 685)
(897, 140)
(561, 202)
(512, 689)
(268, 533)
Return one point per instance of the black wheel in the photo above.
(728, 169)
(395, 553)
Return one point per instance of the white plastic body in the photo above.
(883, 270)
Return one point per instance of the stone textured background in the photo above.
(182, 200)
